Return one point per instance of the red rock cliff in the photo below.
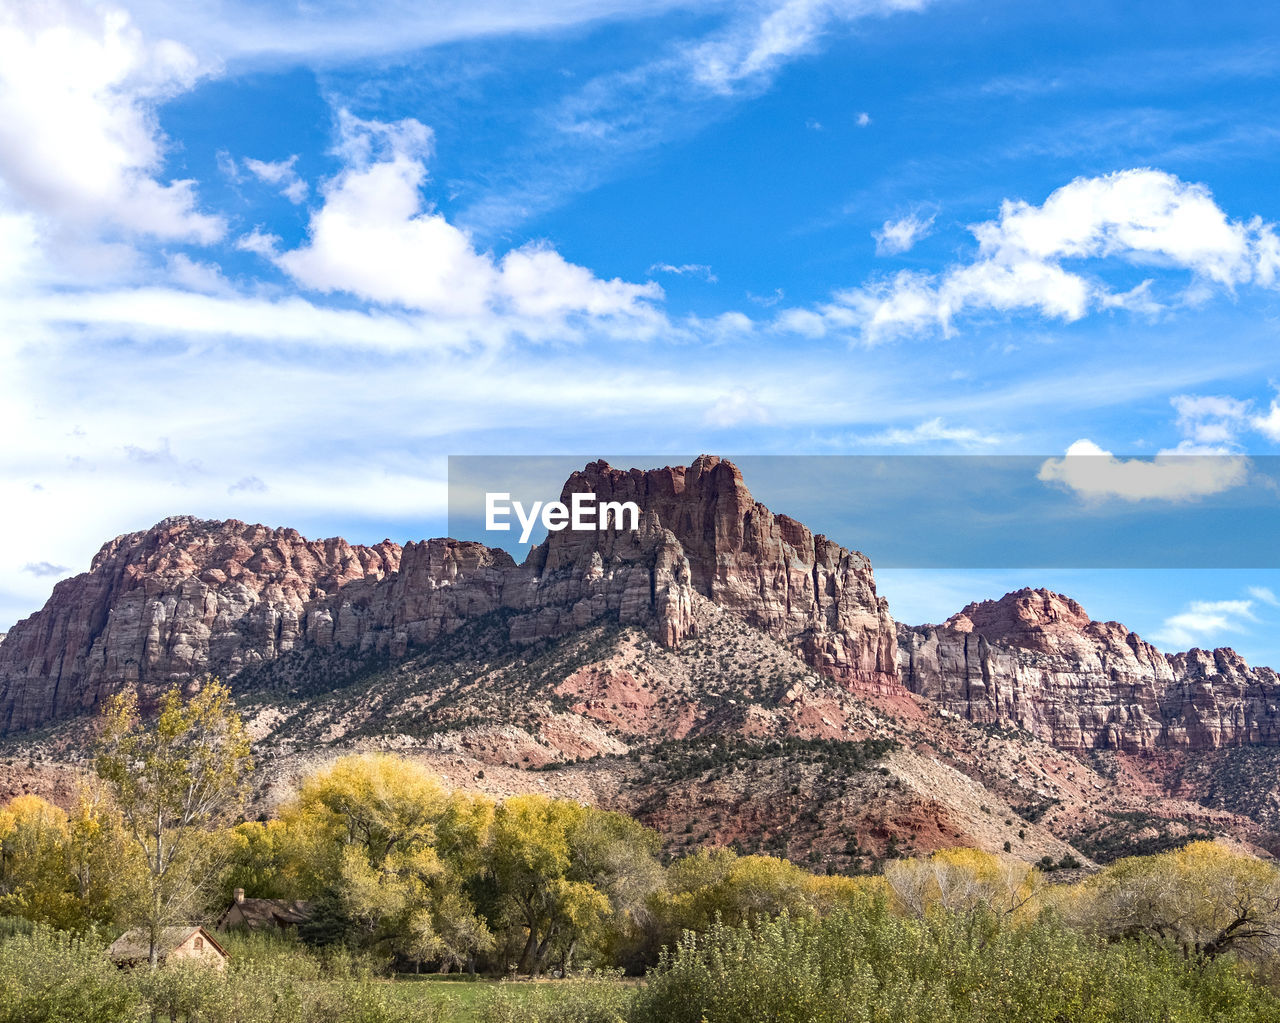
(1035, 659)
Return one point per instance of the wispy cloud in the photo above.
(282, 174)
(44, 569)
(932, 431)
(595, 130)
(685, 270)
(1205, 621)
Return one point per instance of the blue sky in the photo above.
(277, 262)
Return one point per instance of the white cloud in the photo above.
(374, 238)
(197, 276)
(897, 236)
(736, 408)
(1268, 424)
(1209, 423)
(929, 432)
(756, 47)
(1142, 217)
(1265, 595)
(685, 270)
(282, 174)
(79, 142)
(863, 119)
(1203, 620)
(1095, 474)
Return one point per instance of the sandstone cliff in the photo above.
(1034, 659)
(189, 597)
(770, 570)
(184, 597)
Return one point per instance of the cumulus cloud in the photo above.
(1203, 620)
(374, 238)
(79, 141)
(897, 236)
(1210, 423)
(1268, 424)
(1095, 474)
(1141, 217)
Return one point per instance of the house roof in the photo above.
(136, 944)
(269, 912)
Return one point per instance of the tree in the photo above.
(1203, 898)
(378, 835)
(173, 778)
(34, 880)
(561, 872)
(962, 881)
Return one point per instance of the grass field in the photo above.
(465, 995)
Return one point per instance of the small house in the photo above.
(263, 914)
(187, 942)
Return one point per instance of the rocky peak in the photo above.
(766, 568)
(1031, 618)
(1035, 659)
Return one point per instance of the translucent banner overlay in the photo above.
(952, 511)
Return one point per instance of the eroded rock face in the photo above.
(185, 597)
(1036, 660)
(189, 597)
(811, 594)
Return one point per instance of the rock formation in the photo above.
(182, 598)
(770, 570)
(1035, 660)
(189, 597)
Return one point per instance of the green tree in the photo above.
(174, 778)
(564, 873)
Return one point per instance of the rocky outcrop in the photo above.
(809, 593)
(185, 597)
(190, 597)
(1035, 660)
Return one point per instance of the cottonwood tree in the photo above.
(173, 777)
(1203, 898)
(379, 836)
(554, 865)
(962, 881)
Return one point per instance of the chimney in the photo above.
(239, 895)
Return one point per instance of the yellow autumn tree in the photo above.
(1204, 898)
(960, 881)
(379, 838)
(175, 777)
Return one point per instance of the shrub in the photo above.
(50, 977)
(946, 968)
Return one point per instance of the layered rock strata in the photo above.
(189, 597)
(1035, 660)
